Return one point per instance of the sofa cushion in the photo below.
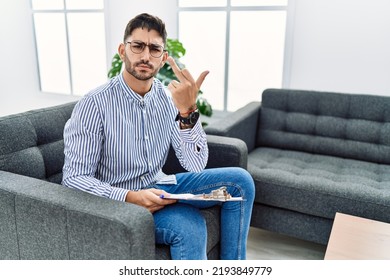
(344, 125)
(320, 185)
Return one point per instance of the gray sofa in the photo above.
(313, 154)
(41, 219)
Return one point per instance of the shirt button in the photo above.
(146, 137)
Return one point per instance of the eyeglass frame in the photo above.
(144, 45)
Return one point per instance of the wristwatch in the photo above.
(191, 119)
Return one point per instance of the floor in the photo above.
(265, 245)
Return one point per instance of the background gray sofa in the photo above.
(40, 219)
(313, 154)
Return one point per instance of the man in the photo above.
(118, 137)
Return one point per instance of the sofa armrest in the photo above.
(240, 124)
(223, 152)
(226, 151)
(42, 220)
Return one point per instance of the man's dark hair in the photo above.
(146, 21)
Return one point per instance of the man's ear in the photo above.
(121, 51)
(164, 58)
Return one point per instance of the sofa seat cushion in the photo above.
(320, 185)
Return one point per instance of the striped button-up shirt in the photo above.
(117, 140)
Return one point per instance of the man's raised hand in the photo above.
(185, 90)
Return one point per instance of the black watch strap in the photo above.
(191, 119)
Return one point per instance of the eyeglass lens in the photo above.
(138, 47)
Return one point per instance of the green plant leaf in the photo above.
(175, 48)
(116, 66)
(204, 106)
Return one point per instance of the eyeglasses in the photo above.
(138, 47)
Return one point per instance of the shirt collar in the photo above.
(130, 93)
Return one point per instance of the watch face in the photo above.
(194, 116)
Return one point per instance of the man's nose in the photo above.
(145, 55)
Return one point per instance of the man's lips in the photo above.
(144, 66)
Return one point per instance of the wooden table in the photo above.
(355, 238)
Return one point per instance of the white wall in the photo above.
(340, 45)
(19, 82)
(19, 86)
(337, 45)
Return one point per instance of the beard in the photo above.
(140, 75)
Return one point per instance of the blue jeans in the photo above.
(183, 227)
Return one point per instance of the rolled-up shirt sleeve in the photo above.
(191, 147)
